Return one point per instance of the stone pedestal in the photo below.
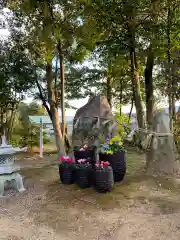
(161, 159)
(8, 174)
(8, 167)
(14, 180)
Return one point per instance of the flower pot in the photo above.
(83, 177)
(88, 154)
(117, 162)
(104, 180)
(66, 173)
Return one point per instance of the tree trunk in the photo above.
(120, 98)
(135, 80)
(169, 80)
(56, 80)
(120, 110)
(41, 96)
(173, 101)
(57, 130)
(61, 58)
(149, 87)
(109, 90)
(11, 124)
(130, 113)
(54, 110)
(174, 87)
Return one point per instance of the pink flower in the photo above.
(69, 160)
(62, 159)
(66, 159)
(106, 164)
(82, 149)
(83, 161)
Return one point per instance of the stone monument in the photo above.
(91, 120)
(161, 158)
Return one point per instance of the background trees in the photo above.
(17, 77)
(127, 50)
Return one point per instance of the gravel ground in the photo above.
(48, 210)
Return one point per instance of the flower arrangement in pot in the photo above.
(85, 152)
(113, 152)
(66, 170)
(83, 173)
(104, 179)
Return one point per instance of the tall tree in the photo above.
(17, 75)
(57, 23)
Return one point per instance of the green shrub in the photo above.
(123, 126)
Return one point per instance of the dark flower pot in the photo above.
(87, 154)
(66, 173)
(83, 177)
(104, 180)
(117, 162)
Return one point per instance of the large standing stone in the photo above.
(161, 159)
(93, 119)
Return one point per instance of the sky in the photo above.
(79, 103)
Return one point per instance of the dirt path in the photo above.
(28, 161)
(137, 209)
